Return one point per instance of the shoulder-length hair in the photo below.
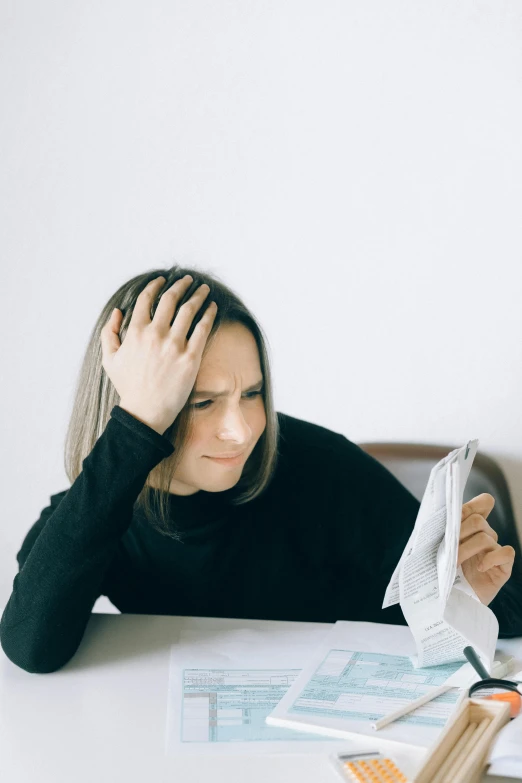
(95, 396)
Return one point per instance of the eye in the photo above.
(200, 406)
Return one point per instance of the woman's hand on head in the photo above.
(155, 368)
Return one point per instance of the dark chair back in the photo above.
(411, 464)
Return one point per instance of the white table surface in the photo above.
(102, 716)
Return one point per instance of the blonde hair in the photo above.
(95, 396)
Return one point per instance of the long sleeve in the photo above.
(386, 512)
(67, 552)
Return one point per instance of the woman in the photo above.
(191, 495)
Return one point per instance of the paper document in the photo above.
(230, 705)
(366, 686)
(225, 679)
(440, 606)
(348, 684)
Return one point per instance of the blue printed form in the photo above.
(365, 686)
(230, 705)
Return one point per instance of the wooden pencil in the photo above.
(469, 754)
(411, 706)
(458, 770)
(454, 752)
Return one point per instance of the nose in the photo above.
(233, 426)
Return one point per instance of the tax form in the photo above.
(440, 606)
(349, 682)
(230, 705)
(365, 686)
(225, 679)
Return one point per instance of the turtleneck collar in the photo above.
(202, 514)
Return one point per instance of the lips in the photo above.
(229, 460)
(229, 456)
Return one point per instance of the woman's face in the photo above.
(227, 424)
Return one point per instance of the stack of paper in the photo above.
(440, 606)
(349, 683)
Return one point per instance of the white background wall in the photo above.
(351, 168)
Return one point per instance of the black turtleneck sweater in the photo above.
(319, 544)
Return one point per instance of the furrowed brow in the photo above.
(202, 393)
